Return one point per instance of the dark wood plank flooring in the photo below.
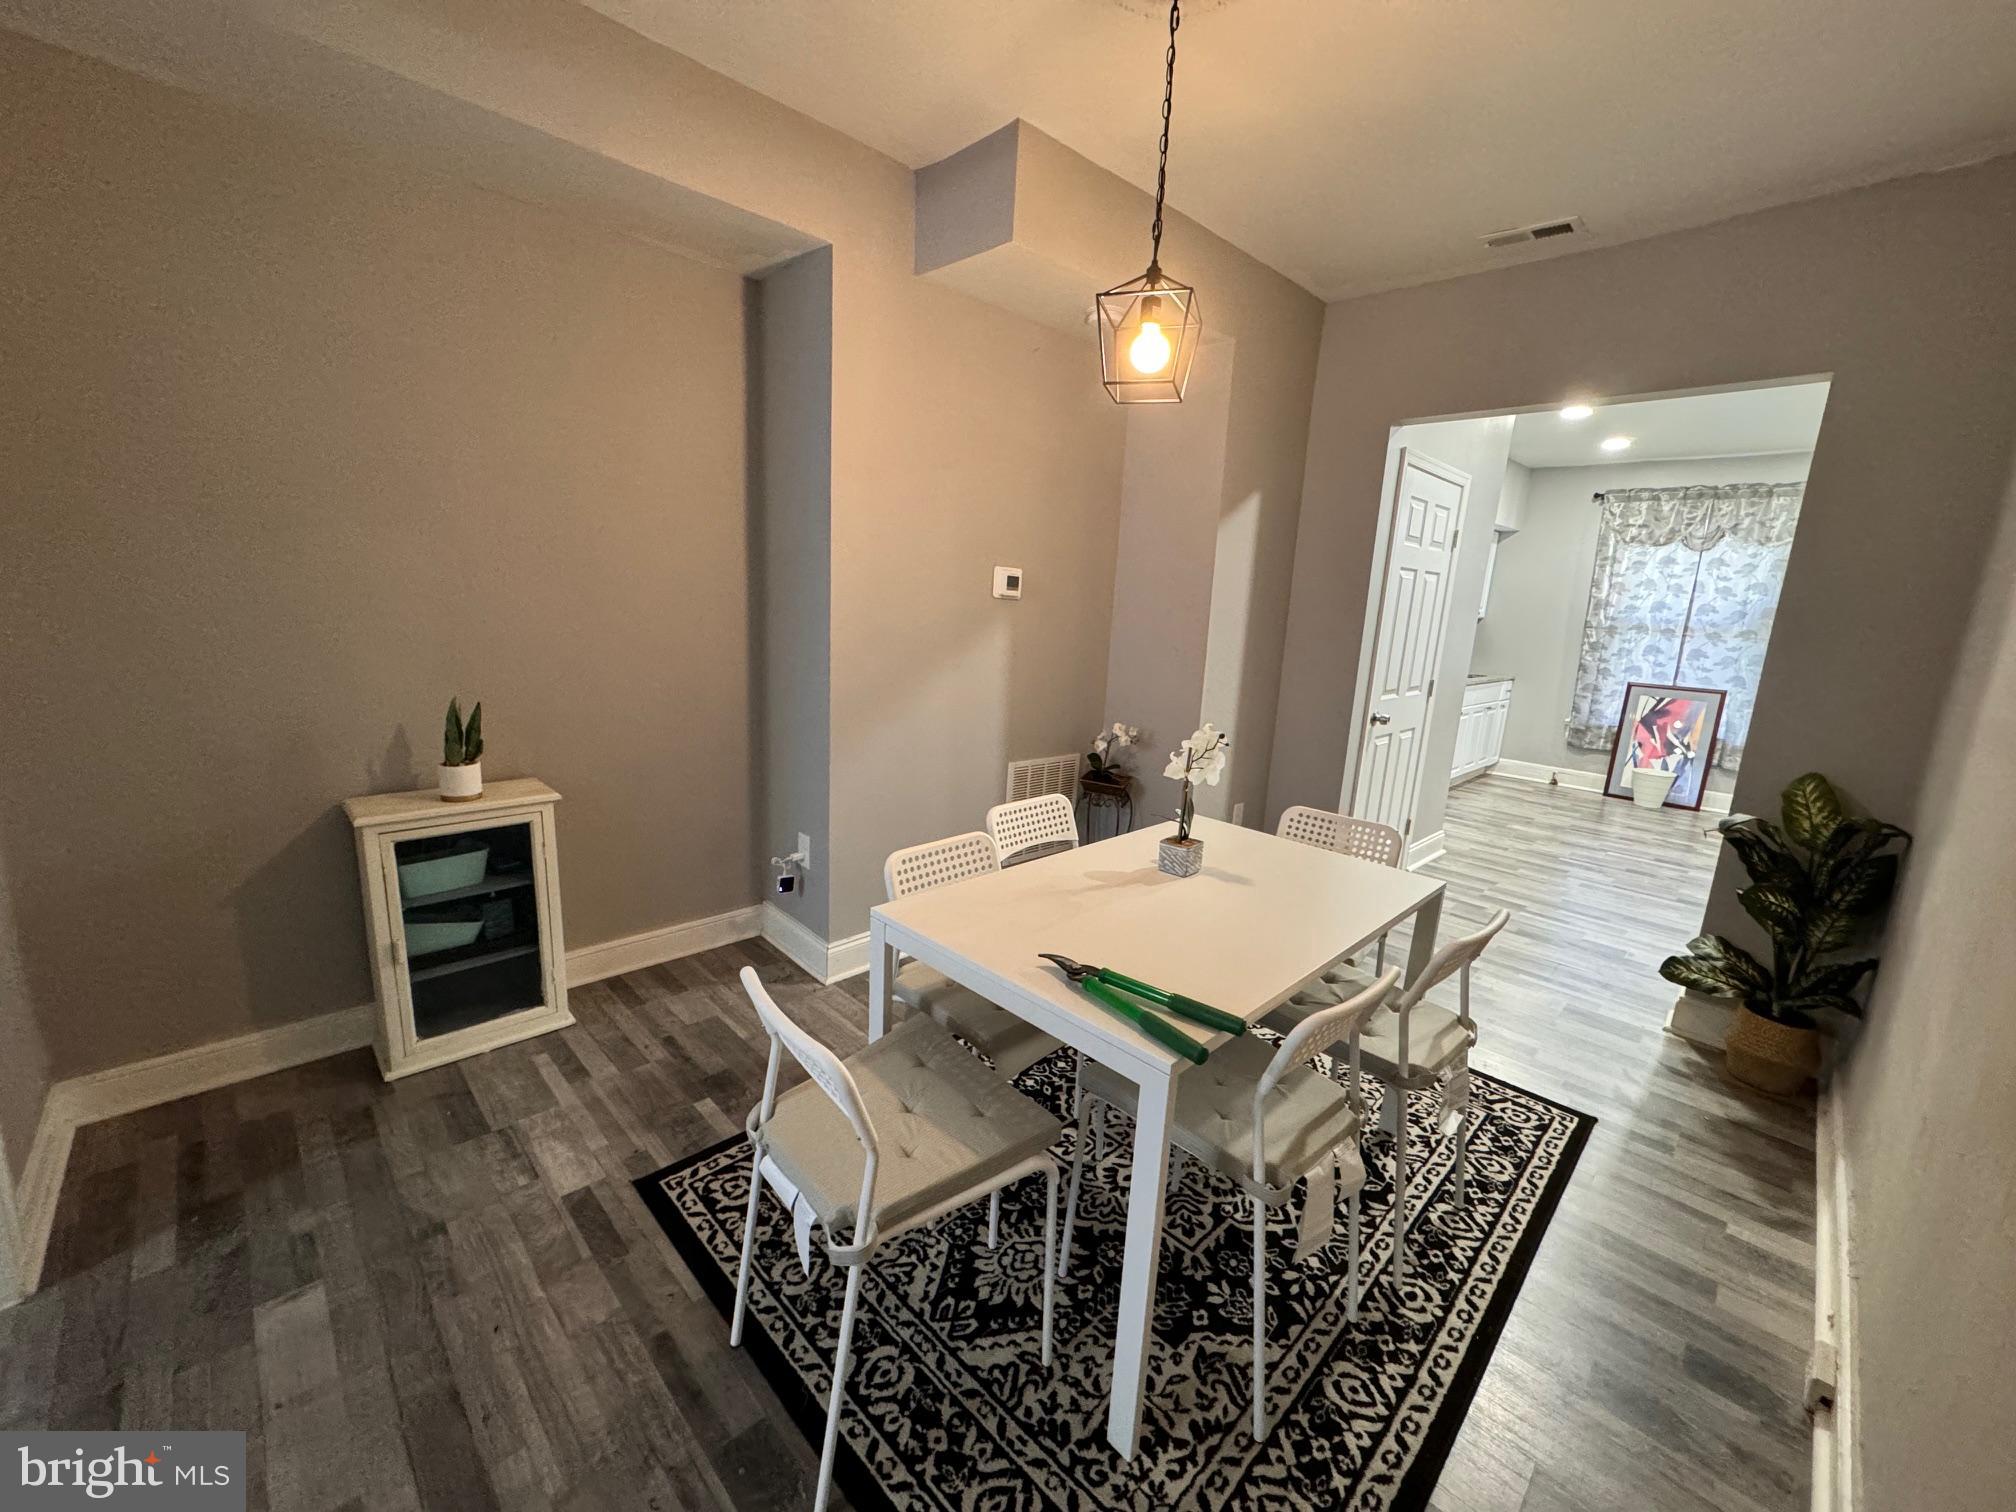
(442, 1293)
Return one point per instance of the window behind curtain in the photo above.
(1684, 592)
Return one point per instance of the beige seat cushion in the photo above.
(1013, 1044)
(1307, 1115)
(943, 1122)
(1436, 1038)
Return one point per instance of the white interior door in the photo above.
(1428, 500)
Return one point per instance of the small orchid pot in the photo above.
(1180, 857)
(1201, 759)
(461, 769)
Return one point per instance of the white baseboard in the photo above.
(1579, 781)
(202, 1068)
(1830, 1384)
(1533, 771)
(811, 954)
(11, 1289)
(82, 1100)
(591, 963)
(848, 957)
(41, 1184)
(1428, 848)
(1699, 1020)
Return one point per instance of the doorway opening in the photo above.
(1567, 603)
(1536, 565)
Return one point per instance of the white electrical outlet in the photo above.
(1238, 813)
(805, 850)
(1008, 582)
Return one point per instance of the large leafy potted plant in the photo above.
(1817, 880)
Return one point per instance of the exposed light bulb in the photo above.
(1149, 352)
(1577, 411)
(1616, 443)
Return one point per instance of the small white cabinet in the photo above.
(1480, 728)
(462, 907)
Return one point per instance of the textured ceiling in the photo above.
(1366, 144)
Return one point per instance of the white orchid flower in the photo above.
(1179, 766)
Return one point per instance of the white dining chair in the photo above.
(1416, 1047)
(890, 1138)
(1367, 839)
(1029, 827)
(1259, 1115)
(1012, 1044)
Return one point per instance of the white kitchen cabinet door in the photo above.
(1480, 728)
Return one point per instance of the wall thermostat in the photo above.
(1008, 582)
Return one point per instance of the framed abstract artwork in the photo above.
(1667, 729)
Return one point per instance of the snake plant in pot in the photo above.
(462, 754)
(1818, 879)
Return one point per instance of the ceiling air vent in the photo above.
(1539, 231)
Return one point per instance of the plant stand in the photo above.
(1114, 798)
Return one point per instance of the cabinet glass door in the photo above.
(469, 913)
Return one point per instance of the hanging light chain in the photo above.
(1162, 161)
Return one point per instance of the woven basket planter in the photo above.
(1771, 1057)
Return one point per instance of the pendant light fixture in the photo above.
(1149, 326)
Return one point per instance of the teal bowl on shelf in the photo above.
(425, 936)
(439, 874)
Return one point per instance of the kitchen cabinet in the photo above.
(1480, 728)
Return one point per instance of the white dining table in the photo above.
(1265, 918)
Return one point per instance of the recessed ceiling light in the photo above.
(1577, 412)
(1616, 443)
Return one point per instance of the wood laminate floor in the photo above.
(442, 1293)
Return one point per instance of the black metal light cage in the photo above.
(1137, 317)
(1125, 313)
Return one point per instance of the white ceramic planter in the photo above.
(1649, 788)
(459, 784)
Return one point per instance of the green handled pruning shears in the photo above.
(1106, 987)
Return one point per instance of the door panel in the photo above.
(1427, 513)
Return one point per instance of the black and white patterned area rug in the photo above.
(948, 1406)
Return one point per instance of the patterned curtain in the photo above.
(1684, 591)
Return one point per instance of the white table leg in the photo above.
(1427, 920)
(1135, 1333)
(881, 976)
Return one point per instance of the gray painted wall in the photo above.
(1928, 1125)
(1882, 671)
(1900, 292)
(1156, 663)
(303, 442)
(791, 503)
(1540, 592)
(24, 1055)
